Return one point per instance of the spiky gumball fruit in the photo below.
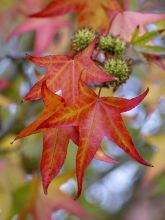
(119, 68)
(112, 45)
(82, 38)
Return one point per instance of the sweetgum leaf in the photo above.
(90, 13)
(55, 140)
(126, 22)
(58, 7)
(63, 72)
(96, 117)
(42, 38)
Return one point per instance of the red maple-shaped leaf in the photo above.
(90, 13)
(55, 140)
(58, 7)
(125, 22)
(42, 38)
(96, 117)
(44, 28)
(63, 72)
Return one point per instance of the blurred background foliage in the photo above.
(126, 191)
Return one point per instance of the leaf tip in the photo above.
(45, 191)
(21, 101)
(146, 91)
(45, 187)
(151, 165)
(26, 97)
(30, 57)
(77, 195)
(146, 163)
(12, 142)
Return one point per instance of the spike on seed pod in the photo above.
(82, 38)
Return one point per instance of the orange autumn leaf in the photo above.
(90, 13)
(96, 117)
(55, 140)
(94, 15)
(63, 72)
(58, 7)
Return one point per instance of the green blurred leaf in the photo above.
(154, 50)
(135, 35)
(141, 40)
(20, 198)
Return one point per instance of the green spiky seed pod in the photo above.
(119, 68)
(106, 43)
(112, 45)
(82, 38)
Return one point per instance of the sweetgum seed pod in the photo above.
(112, 45)
(119, 68)
(82, 38)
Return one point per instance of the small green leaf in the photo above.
(141, 40)
(135, 35)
